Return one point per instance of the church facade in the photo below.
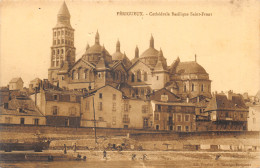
(137, 78)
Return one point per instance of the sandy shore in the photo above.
(161, 155)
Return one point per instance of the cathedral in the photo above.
(145, 73)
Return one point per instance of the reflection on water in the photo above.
(135, 164)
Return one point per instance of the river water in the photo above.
(135, 164)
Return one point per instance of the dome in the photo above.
(150, 52)
(190, 68)
(117, 56)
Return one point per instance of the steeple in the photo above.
(63, 17)
(151, 42)
(136, 52)
(118, 46)
(97, 38)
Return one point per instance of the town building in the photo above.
(16, 84)
(61, 108)
(225, 114)
(254, 118)
(21, 110)
(171, 113)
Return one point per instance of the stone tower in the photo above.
(62, 49)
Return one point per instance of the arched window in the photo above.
(79, 73)
(192, 87)
(53, 52)
(202, 88)
(138, 76)
(85, 74)
(61, 51)
(54, 42)
(57, 63)
(58, 41)
(62, 32)
(132, 77)
(54, 33)
(58, 51)
(58, 33)
(72, 74)
(145, 76)
(184, 88)
(62, 41)
(52, 63)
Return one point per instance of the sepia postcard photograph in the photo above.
(139, 84)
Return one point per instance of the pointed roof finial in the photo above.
(136, 52)
(97, 38)
(152, 42)
(195, 58)
(64, 10)
(118, 46)
(87, 47)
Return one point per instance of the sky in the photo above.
(227, 43)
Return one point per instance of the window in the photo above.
(157, 77)
(114, 107)
(144, 108)
(62, 41)
(55, 97)
(159, 107)
(156, 116)
(202, 87)
(145, 76)
(58, 41)
(85, 74)
(138, 76)
(114, 96)
(62, 32)
(179, 128)
(179, 118)
(100, 106)
(99, 75)
(54, 42)
(100, 95)
(54, 33)
(132, 77)
(114, 120)
(187, 128)
(192, 87)
(8, 120)
(187, 118)
(184, 88)
(58, 33)
(61, 51)
(36, 121)
(54, 110)
(125, 126)
(226, 114)
(126, 107)
(6, 105)
(21, 120)
(57, 63)
(164, 97)
(72, 111)
(87, 105)
(126, 119)
(171, 127)
(157, 127)
(145, 122)
(241, 115)
(100, 118)
(53, 52)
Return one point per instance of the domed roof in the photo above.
(117, 56)
(190, 68)
(150, 52)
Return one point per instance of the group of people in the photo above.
(65, 148)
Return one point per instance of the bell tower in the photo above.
(62, 49)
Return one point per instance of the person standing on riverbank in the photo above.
(104, 154)
(74, 147)
(65, 149)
